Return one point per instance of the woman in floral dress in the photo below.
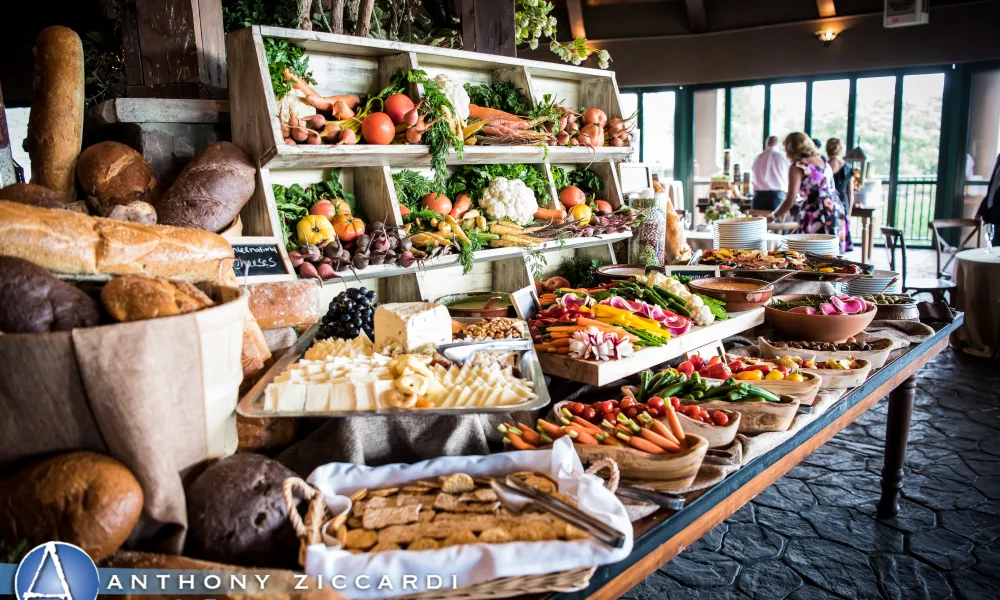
(811, 177)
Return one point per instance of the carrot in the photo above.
(462, 205)
(675, 426)
(530, 435)
(646, 446)
(579, 434)
(559, 335)
(552, 429)
(659, 440)
(661, 429)
(611, 441)
(600, 325)
(550, 214)
(484, 113)
(559, 342)
(566, 328)
(519, 443)
(586, 425)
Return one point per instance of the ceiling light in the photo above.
(826, 36)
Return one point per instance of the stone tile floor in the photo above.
(814, 535)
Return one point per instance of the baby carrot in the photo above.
(552, 429)
(660, 441)
(586, 425)
(675, 426)
(640, 444)
(519, 443)
(579, 434)
(660, 428)
(530, 435)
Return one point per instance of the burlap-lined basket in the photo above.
(317, 518)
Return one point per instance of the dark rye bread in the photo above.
(211, 190)
(33, 195)
(32, 300)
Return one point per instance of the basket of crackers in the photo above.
(453, 527)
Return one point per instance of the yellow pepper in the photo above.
(754, 375)
(315, 229)
(774, 375)
(796, 377)
(581, 213)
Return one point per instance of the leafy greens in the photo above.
(501, 95)
(293, 202)
(281, 55)
(473, 179)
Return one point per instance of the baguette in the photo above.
(68, 242)
(55, 123)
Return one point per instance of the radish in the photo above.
(803, 310)
(828, 309)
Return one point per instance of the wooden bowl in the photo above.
(835, 379)
(819, 328)
(758, 417)
(668, 472)
(736, 300)
(718, 436)
(507, 310)
(877, 357)
(805, 392)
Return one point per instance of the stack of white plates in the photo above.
(743, 233)
(874, 284)
(818, 243)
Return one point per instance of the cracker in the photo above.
(541, 484)
(496, 535)
(342, 536)
(451, 503)
(425, 516)
(414, 489)
(404, 534)
(482, 481)
(424, 483)
(335, 523)
(527, 533)
(354, 522)
(464, 536)
(457, 483)
(385, 547)
(424, 543)
(479, 495)
(379, 518)
(574, 533)
(361, 538)
(359, 495)
(423, 499)
(384, 492)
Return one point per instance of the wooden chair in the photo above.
(935, 287)
(943, 248)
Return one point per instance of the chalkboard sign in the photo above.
(254, 260)
(693, 271)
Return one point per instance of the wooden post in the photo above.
(174, 48)
(488, 26)
(7, 173)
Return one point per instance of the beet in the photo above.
(406, 259)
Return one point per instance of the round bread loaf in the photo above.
(32, 300)
(84, 498)
(211, 190)
(33, 195)
(113, 174)
(237, 515)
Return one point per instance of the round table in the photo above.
(977, 275)
(703, 240)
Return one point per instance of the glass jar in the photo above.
(647, 246)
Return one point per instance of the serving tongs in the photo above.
(518, 497)
(865, 268)
(661, 499)
(460, 352)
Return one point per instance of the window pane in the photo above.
(873, 123)
(709, 132)
(747, 124)
(629, 102)
(984, 135)
(658, 138)
(788, 108)
(916, 188)
(830, 99)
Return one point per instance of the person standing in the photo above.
(810, 176)
(843, 177)
(770, 176)
(989, 208)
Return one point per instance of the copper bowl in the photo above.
(505, 309)
(736, 300)
(819, 327)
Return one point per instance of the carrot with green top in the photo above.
(519, 442)
(553, 430)
(579, 435)
(659, 440)
(530, 435)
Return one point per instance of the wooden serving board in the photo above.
(757, 417)
(877, 357)
(668, 472)
(843, 378)
(805, 392)
(602, 373)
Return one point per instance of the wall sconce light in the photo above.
(826, 36)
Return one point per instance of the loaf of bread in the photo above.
(33, 195)
(135, 298)
(211, 190)
(134, 212)
(33, 301)
(55, 124)
(113, 174)
(285, 303)
(255, 352)
(677, 248)
(68, 242)
(268, 433)
(84, 498)
(237, 515)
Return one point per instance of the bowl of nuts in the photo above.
(500, 328)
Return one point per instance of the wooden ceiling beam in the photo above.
(575, 10)
(696, 15)
(826, 8)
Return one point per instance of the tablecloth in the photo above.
(977, 274)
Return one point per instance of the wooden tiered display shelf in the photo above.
(347, 64)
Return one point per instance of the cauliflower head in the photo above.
(509, 199)
(457, 94)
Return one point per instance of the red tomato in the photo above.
(610, 416)
(589, 414)
(675, 402)
(720, 418)
(575, 407)
(377, 128)
(656, 402)
(572, 196)
(617, 411)
(686, 367)
(603, 206)
(614, 403)
(655, 412)
(439, 203)
(631, 412)
(627, 402)
(398, 105)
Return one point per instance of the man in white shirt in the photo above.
(770, 176)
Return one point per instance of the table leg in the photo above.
(897, 432)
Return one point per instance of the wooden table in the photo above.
(663, 535)
(865, 213)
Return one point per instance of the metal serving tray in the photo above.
(252, 404)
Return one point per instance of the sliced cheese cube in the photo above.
(411, 325)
